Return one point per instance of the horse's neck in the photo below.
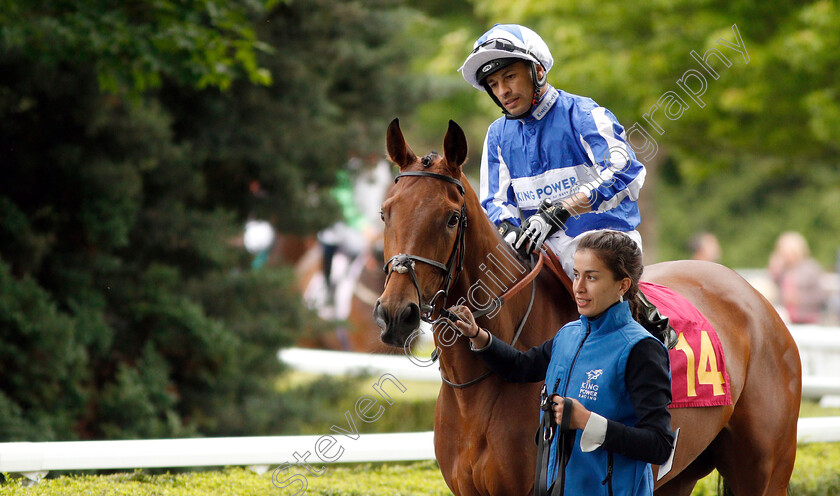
(491, 269)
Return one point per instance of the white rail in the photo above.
(818, 430)
(819, 349)
(274, 450)
(814, 337)
(343, 363)
(269, 450)
(206, 452)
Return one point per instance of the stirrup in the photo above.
(656, 323)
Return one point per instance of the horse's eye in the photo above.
(453, 220)
(382, 215)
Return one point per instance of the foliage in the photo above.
(754, 155)
(321, 402)
(134, 46)
(39, 397)
(812, 408)
(341, 77)
(126, 309)
(442, 41)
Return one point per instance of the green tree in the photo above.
(134, 46)
(126, 160)
(756, 158)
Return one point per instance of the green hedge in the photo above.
(817, 473)
(344, 480)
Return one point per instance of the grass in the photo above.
(343, 480)
(810, 408)
(817, 471)
(415, 390)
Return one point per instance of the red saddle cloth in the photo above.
(698, 367)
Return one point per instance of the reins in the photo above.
(512, 342)
(404, 263)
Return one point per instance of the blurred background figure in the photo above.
(704, 246)
(833, 304)
(345, 237)
(798, 277)
(340, 278)
(359, 191)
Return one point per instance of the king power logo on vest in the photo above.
(589, 390)
(555, 184)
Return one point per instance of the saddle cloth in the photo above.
(698, 366)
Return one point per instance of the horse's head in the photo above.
(424, 217)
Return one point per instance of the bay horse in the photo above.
(441, 247)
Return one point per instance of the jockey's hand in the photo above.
(509, 232)
(537, 229)
(548, 220)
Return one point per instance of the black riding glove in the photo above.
(509, 231)
(548, 220)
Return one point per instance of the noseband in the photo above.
(404, 263)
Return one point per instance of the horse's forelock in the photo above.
(430, 159)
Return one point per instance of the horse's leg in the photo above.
(698, 429)
(683, 484)
(756, 452)
(752, 463)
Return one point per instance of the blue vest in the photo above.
(588, 360)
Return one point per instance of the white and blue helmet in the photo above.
(502, 45)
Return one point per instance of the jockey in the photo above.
(359, 191)
(559, 161)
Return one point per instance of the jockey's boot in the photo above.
(656, 323)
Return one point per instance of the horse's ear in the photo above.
(398, 149)
(455, 146)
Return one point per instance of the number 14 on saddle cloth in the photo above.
(698, 367)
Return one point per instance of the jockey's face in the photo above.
(595, 287)
(513, 86)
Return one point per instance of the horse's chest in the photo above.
(490, 450)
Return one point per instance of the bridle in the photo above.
(404, 263)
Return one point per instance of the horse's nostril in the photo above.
(398, 324)
(380, 315)
(410, 316)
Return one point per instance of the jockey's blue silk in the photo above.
(568, 144)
